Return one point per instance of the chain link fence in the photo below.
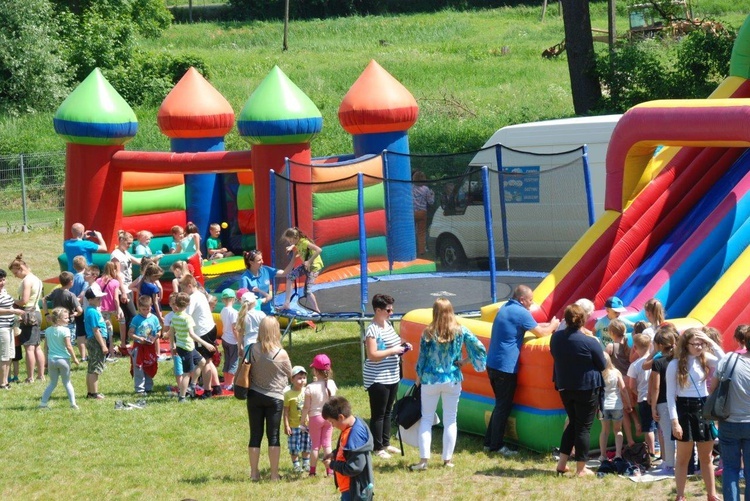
(32, 191)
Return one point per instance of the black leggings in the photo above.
(128, 310)
(264, 411)
(581, 406)
(382, 397)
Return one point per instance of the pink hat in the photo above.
(321, 362)
(241, 292)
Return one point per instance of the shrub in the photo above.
(644, 70)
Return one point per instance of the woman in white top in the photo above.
(124, 260)
(29, 293)
(686, 377)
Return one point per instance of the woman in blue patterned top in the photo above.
(439, 373)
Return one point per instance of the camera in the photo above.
(406, 347)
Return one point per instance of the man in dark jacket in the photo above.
(351, 460)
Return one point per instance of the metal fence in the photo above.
(32, 191)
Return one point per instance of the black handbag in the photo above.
(716, 406)
(408, 409)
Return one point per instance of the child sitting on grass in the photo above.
(351, 461)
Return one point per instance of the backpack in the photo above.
(637, 454)
(617, 466)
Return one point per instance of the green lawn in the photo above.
(199, 449)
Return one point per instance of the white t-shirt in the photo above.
(200, 310)
(641, 376)
(252, 324)
(696, 382)
(126, 266)
(612, 397)
(228, 319)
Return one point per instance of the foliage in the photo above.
(31, 65)
(644, 70)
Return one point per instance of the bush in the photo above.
(31, 63)
(644, 70)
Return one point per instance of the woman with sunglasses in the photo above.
(381, 372)
(686, 378)
(258, 279)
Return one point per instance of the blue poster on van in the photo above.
(521, 185)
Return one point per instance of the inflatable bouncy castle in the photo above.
(676, 227)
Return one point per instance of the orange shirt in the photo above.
(342, 480)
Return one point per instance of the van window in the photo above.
(468, 190)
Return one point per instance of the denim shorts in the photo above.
(612, 414)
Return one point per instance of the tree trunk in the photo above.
(579, 44)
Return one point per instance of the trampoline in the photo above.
(468, 291)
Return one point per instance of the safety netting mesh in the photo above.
(430, 226)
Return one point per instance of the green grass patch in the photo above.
(199, 449)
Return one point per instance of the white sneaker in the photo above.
(393, 450)
(507, 452)
(382, 454)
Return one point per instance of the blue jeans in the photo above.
(735, 445)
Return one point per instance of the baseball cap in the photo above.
(241, 292)
(321, 362)
(615, 303)
(297, 369)
(94, 291)
(228, 294)
(249, 297)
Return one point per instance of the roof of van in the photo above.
(571, 132)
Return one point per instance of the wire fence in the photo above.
(32, 191)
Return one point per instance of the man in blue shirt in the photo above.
(79, 246)
(508, 329)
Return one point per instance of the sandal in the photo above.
(28, 380)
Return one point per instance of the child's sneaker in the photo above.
(393, 450)
(297, 468)
(382, 454)
(181, 400)
(74, 407)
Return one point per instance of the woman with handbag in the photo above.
(734, 432)
(269, 375)
(29, 293)
(382, 372)
(686, 378)
(439, 374)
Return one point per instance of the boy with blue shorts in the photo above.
(183, 336)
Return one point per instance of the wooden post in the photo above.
(544, 9)
(284, 45)
(611, 25)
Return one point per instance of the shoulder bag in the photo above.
(242, 378)
(408, 409)
(717, 403)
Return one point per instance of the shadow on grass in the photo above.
(500, 471)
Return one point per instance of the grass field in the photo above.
(198, 450)
(471, 72)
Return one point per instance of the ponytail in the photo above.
(241, 318)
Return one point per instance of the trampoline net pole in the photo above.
(490, 232)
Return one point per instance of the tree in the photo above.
(579, 43)
(31, 65)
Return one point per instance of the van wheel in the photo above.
(451, 253)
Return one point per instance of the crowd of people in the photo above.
(654, 377)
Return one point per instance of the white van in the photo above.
(546, 206)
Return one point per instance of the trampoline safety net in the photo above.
(426, 226)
